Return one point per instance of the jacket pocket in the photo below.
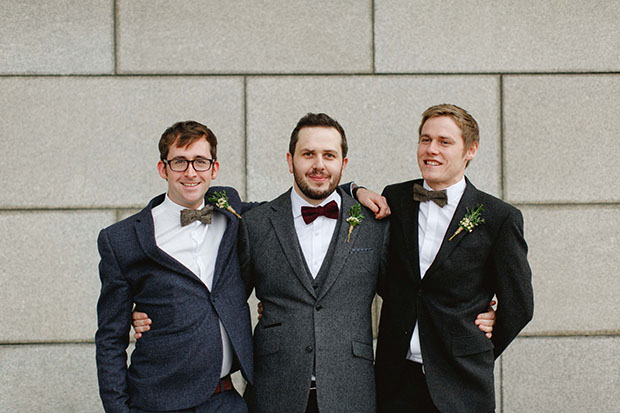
(267, 339)
(468, 345)
(363, 350)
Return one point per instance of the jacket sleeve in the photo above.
(112, 337)
(513, 282)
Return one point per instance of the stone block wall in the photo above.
(87, 87)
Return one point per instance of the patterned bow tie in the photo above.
(329, 210)
(190, 215)
(438, 197)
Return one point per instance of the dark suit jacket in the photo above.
(327, 328)
(177, 364)
(459, 284)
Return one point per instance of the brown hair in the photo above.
(321, 120)
(183, 134)
(465, 121)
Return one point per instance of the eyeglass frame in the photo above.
(189, 162)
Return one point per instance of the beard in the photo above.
(316, 194)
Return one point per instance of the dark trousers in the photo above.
(412, 394)
(313, 404)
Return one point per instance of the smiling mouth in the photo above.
(190, 184)
(431, 162)
(318, 178)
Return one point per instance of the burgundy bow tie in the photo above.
(329, 210)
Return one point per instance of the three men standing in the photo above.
(314, 261)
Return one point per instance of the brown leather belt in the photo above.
(224, 384)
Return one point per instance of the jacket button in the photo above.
(309, 349)
(319, 307)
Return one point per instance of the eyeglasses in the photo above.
(181, 165)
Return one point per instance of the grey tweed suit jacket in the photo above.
(312, 327)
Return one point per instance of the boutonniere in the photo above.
(470, 220)
(355, 218)
(220, 200)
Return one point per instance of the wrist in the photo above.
(355, 189)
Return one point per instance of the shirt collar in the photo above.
(454, 192)
(297, 202)
(173, 208)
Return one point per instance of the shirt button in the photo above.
(319, 307)
(309, 349)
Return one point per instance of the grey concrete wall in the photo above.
(87, 87)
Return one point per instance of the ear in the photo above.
(345, 161)
(471, 152)
(215, 168)
(161, 167)
(289, 160)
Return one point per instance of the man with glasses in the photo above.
(163, 260)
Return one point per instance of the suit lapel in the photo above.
(228, 242)
(408, 221)
(145, 231)
(467, 201)
(342, 249)
(282, 222)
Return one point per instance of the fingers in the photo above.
(137, 335)
(137, 315)
(142, 323)
(485, 325)
(260, 310)
(384, 212)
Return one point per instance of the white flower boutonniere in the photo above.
(470, 220)
(220, 200)
(355, 218)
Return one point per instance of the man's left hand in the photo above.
(486, 321)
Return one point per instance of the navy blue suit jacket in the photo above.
(177, 364)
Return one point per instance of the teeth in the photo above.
(435, 163)
(190, 184)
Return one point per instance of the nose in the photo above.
(190, 171)
(318, 163)
(433, 147)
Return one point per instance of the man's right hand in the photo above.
(141, 323)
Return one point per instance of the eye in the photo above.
(425, 139)
(446, 142)
(330, 155)
(201, 162)
(178, 162)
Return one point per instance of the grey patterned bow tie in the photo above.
(190, 215)
(421, 194)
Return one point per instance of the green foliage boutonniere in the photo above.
(469, 221)
(355, 218)
(220, 200)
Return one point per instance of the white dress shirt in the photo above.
(433, 222)
(315, 237)
(195, 246)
